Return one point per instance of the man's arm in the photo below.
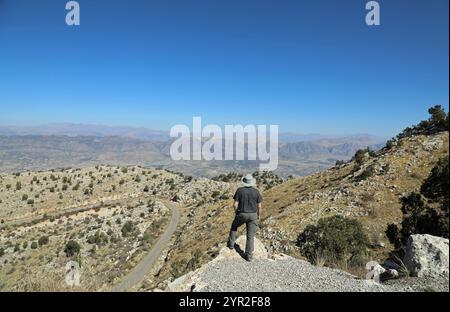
(236, 205)
(236, 198)
(260, 199)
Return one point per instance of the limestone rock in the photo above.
(259, 252)
(192, 281)
(432, 144)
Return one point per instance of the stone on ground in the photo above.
(427, 255)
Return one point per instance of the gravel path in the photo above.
(289, 275)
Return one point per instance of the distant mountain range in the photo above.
(73, 130)
(64, 145)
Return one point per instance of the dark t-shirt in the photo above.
(248, 198)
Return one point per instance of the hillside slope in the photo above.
(291, 206)
(369, 192)
(104, 210)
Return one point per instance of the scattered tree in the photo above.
(128, 228)
(72, 248)
(43, 240)
(336, 241)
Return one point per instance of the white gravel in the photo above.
(288, 275)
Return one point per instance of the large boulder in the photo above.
(259, 251)
(427, 255)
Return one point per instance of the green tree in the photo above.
(128, 228)
(99, 238)
(43, 240)
(438, 118)
(360, 156)
(72, 248)
(418, 216)
(437, 122)
(436, 186)
(335, 240)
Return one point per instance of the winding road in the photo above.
(138, 272)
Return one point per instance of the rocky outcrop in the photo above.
(432, 144)
(193, 280)
(427, 255)
(278, 272)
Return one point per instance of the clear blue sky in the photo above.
(310, 66)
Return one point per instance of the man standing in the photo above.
(247, 206)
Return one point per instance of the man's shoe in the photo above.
(248, 258)
(230, 247)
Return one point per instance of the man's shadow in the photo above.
(239, 251)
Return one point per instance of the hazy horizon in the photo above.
(50, 129)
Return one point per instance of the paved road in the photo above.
(137, 274)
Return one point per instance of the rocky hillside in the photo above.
(277, 272)
(28, 194)
(106, 218)
(367, 188)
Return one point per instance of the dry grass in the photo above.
(291, 206)
(55, 282)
